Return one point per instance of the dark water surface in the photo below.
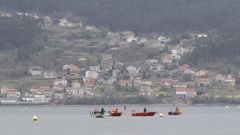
(75, 120)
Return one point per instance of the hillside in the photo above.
(121, 49)
(218, 51)
(141, 16)
(160, 16)
(20, 38)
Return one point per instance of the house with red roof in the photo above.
(71, 70)
(167, 59)
(203, 81)
(10, 92)
(125, 83)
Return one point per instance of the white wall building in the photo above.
(91, 74)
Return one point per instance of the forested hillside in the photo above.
(220, 49)
(142, 15)
(18, 32)
(19, 40)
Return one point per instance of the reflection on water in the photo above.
(66, 120)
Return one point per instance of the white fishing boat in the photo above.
(97, 114)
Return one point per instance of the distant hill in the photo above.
(142, 16)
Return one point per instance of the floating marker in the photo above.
(161, 114)
(35, 118)
(227, 107)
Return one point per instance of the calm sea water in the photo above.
(75, 120)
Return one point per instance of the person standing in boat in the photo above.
(144, 109)
(95, 110)
(102, 111)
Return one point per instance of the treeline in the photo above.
(217, 51)
(19, 33)
(142, 16)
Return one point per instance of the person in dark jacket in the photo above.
(144, 109)
(102, 111)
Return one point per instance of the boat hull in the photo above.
(97, 114)
(116, 114)
(174, 113)
(144, 114)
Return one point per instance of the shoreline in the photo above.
(152, 105)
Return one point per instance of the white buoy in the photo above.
(161, 114)
(35, 118)
(227, 107)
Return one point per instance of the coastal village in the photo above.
(157, 75)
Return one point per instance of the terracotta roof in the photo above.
(185, 67)
(124, 81)
(44, 88)
(8, 90)
(203, 80)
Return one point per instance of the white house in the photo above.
(157, 67)
(180, 85)
(115, 73)
(28, 99)
(59, 83)
(41, 99)
(134, 71)
(35, 70)
(76, 84)
(151, 61)
(201, 73)
(74, 91)
(177, 50)
(91, 28)
(50, 74)
(132, 39)
(95, 68)
(229, 80)
(65, 23)
(91, 74)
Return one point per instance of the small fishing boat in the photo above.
(143, 113)
(97, 114)
(176, 112)
(114, 113)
